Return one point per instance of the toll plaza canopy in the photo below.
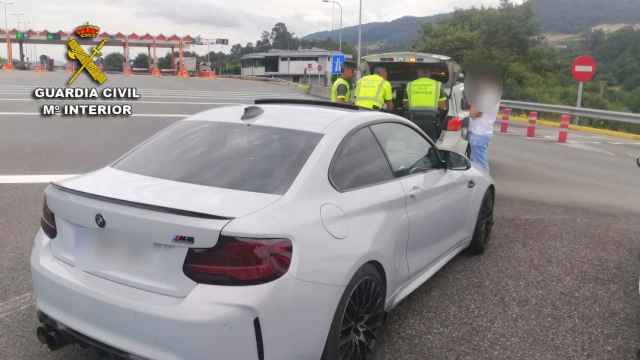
(118, 39)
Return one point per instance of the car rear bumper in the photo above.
(210, 323)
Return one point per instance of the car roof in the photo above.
(313, 118)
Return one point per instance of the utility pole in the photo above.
(9, 64)
(358, 73)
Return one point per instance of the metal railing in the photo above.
(630, 118)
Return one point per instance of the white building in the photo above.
(304, 65)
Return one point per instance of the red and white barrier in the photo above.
(533, 119)
(506, 116)
(564, 128)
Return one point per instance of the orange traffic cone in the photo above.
(183, 73)
(207, 74)
(155, 72)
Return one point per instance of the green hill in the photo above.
(552, 16)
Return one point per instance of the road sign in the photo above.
(584, 68)
(336, 64)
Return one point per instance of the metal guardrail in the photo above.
(630, 118)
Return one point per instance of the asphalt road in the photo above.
(560, 280)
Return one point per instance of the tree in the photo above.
(483, 36)
(141, 61)
(114, 62)
(264, 44)
(281, 38)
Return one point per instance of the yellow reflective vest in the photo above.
(424, 94)
(334, 90)
(372, 91)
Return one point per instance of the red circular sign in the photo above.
(584, 68)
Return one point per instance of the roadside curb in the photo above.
(612, 133)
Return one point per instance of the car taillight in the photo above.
(455, 124)
(48, 221)
(239, 261)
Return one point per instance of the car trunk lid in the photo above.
(136, 230)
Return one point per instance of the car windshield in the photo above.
(227, 155)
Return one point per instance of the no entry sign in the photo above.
(584, 68)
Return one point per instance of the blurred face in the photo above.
(347, 73)
(384, 74)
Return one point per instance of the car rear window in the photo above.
(227, 155)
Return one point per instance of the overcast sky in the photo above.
(240, 21)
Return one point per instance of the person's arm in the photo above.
(388, 96)
(342, 93)
(442, 101)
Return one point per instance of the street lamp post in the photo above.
(18, 23)
(9, 64)
(341, 24)
(358, 74)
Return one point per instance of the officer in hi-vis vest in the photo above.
(341, 89)
(374, 91)
(425, 97)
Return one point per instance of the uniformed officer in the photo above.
(341, 89)
(425, 97)
(374, 91)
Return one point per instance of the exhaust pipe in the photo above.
(54, 339)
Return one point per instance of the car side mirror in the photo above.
(454, 161)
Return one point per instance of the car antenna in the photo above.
(251, 112)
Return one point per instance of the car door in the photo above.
(372, 202)
(437, 199)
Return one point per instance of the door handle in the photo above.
(471, 184)
(414, 191)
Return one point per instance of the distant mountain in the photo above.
(554, 16)
(397, 34)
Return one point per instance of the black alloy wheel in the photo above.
(484, 225)
(357, 328)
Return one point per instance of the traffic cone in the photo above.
(533, 119)
(564, 128)
(506, 115)
(207, 74)
(155, 72)
(183, 73)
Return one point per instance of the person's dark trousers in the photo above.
(428, 121)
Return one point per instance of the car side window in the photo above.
(359, 162)
(407, 151)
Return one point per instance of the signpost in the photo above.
(336, 64)
(583, 70)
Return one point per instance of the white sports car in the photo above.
(282, 230)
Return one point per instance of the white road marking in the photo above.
(33, 179)
(15, 305)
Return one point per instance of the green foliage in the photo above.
(114, 62)
(483, 36)
(141, 61)
(507, 39)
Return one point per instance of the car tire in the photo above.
(358, 323)
(484, 224)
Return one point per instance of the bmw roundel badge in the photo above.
(100, 221)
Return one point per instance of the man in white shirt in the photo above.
(485, 95)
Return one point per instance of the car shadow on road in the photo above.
(556, 283)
